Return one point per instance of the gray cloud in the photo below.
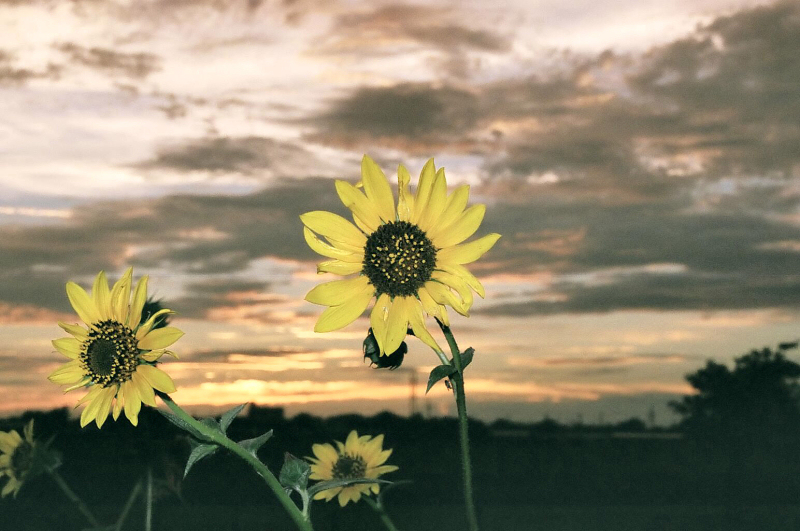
(245, 155)
(216, 293)
(132, 65)
(13, 75)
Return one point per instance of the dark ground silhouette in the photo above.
(733, 463)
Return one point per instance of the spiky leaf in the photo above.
(439, 372)
(253, 445)
(182, 424)
(199, 452)
(228, 417)
(334, 483)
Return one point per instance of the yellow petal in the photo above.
(334, 227)
(69, 373)
(339, 267)
(377, 320)
(461, 229)
(361, 207)
(337, 292)
(325, 249)
(325, 453)
(351, 443)
(431, 307)
(151, 321)
(436, 202)
(157, 378)
(101, 295)
(143, 389)
(396, 324)
(442, 295)
(76, 330)
(467, 252)
(82, 303)
(456, 283)
(462, 272)
(377, 188)
(160, 338)
(405, 201)
(337, 317)
(68, 346)
(121, 296)
(133, 402)
(139, 299)
(89, 396)
(104, 406)
(117, 406)
(426, 178)
(456, 203)
(90, 411)
(417, 323)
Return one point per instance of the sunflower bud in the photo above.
(388, 361)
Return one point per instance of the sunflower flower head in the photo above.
(357, 458)
(408, 255)
(115, 356)
(17, 458)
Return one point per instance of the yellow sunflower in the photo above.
(410, 258)
(358, 457)
(116, 356)
(16, 458)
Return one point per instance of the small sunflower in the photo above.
(358, 457)
(116, 356)
(16, 458)
(410, 258)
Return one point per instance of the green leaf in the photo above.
(294, 472)
(182, 424)
(439, 372)
(199, 452)
(334, 483)
(228, 417)
(253, 445)
(466, 357)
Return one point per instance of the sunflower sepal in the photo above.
(294, 473)
(199, 451)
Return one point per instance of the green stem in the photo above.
(148, 513)
(461, 405)
(377, 506)
(72, 496)
(128, 504)
(218, 438)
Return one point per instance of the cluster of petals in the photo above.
(118, 306)
(444, 218)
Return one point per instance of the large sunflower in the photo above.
(16, 458)
(409, 258)
(358, 458)
(116, 356)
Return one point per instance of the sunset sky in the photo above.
(640, 158)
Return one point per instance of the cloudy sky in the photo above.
(640, 158)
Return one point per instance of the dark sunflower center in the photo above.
(110, 354)
(398, 258)
(349, 466)
(21, 458)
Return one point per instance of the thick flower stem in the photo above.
(457, 380)
(300, 520)
(72, 496)
(377, 506)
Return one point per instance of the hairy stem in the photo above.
(461, 405)
(218, 438)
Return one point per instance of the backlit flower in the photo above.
(16, 458)
(358, 458)
(116, 355)
(409, 257)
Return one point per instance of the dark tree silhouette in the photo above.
(760, 395)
